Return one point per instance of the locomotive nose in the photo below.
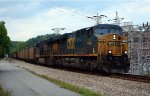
(114, 50)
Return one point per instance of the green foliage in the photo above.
(7, 46)
(80, 90)
(4, 93)
(4, 39)
(19, 45)
(37, 39)
(16, 46)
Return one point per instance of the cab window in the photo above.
(117, 31)
(101, 31)
(89, 32)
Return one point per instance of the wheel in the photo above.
(83, 65)
(91, 65)
(59, 63)
(107, 69)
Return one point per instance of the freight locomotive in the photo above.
(100, 47)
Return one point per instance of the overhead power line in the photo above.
(76, 14)
(117, 20)
(98, 18)
(57, 30)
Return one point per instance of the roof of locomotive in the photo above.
(102, 26)
(109, 26)
(55, 38)
(66, 35)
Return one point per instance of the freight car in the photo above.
(100, 47)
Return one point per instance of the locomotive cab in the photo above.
(112, 49)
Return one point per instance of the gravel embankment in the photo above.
(104, 85)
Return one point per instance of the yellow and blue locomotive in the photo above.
(100, 47)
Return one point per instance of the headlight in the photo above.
(109, 51)
(125, 52)
(114, 36)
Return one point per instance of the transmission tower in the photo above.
(57, 30)
(117, 20)
(97, 18)
(139, 49)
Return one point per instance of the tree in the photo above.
(4, 39)
(20, 45)
(17, 46)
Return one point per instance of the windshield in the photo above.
(117, 31)
(101, 31)
(107, 31)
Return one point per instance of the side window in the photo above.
(89, 32)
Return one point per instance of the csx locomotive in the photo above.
(100, 47)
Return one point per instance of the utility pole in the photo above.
(57, 30)
(117, 20)
(97, 18)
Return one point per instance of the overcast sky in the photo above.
(28, 18)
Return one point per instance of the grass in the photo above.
(82, 91)
(4, 93)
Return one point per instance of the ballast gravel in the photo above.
(101, 84)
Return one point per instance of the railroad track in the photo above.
(130, 77)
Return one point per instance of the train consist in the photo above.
(100, 47)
